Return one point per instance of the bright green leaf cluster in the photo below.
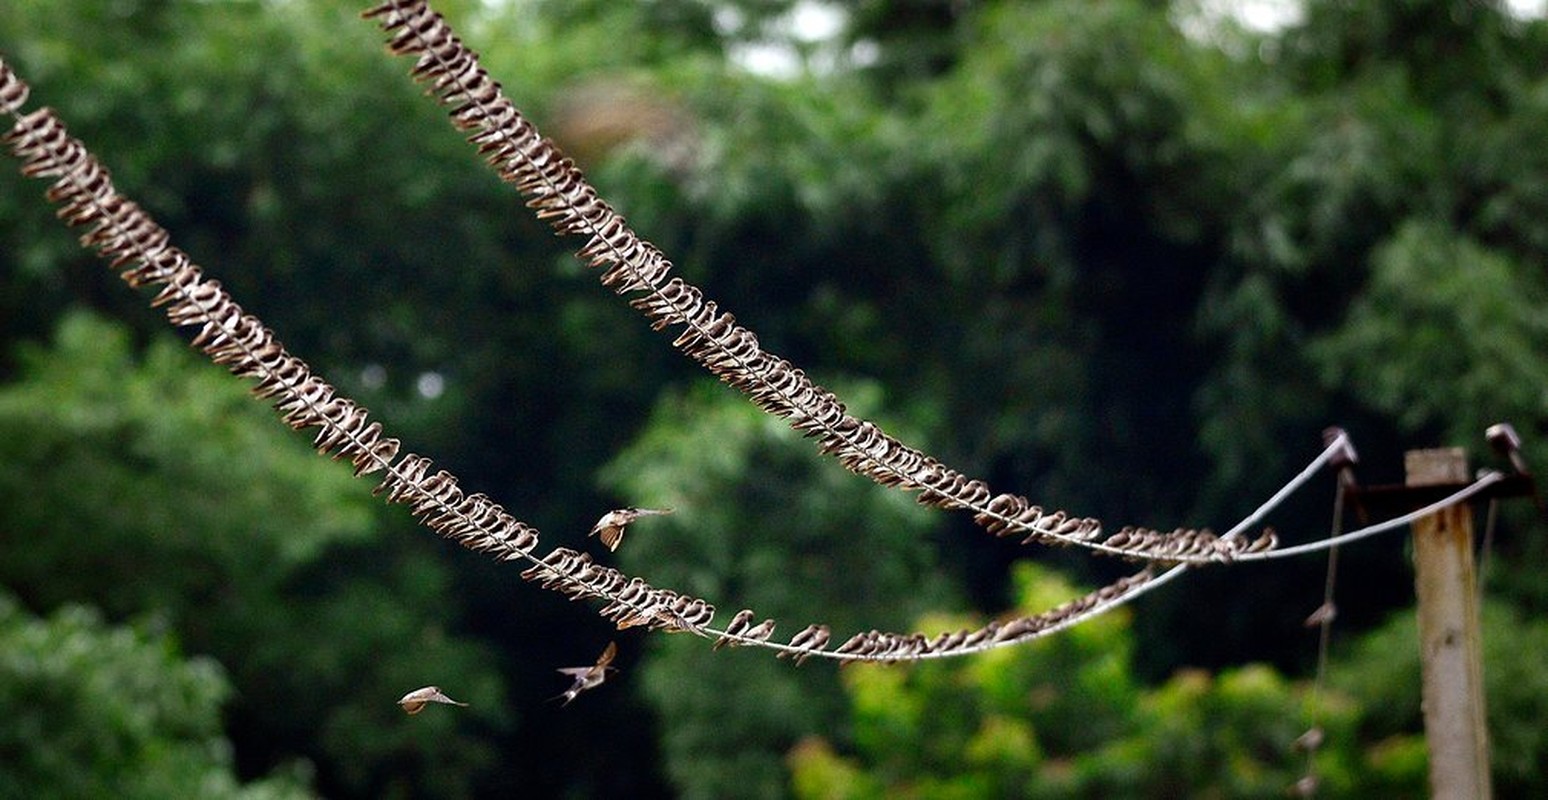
(1066, 717)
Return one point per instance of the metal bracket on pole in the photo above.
(1450, 637)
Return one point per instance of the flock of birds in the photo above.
(610, 529)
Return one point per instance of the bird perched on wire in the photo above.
(589, 677)
(415, 701)
(612, 524)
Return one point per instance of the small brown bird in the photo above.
(415, 701)
(1327, 612)
(813, 637)
(1305, 787)
(760, 632)
(612, 524)
(1310, 740)
(736, 627)
(589, 677)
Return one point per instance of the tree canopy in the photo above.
(1125, 259)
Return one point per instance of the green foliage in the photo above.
(1098, 261)
(151, 483)
(1383, 671)
(1445, 335)
(760, 521)
(98, 711)
(1224, 735)
(91, 419)
(1066, 717)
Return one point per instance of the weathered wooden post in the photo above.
(1450, 639)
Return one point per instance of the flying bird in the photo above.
(612, 524)
(415, 701)
(589, 677)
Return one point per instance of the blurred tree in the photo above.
(1093, 258)
(1381, 215)
(1441, 304)
(99, 711)
(912, 40)
(1382, 670)
(1065, 717)
(760, 523)
(152, 484)
(296, 162)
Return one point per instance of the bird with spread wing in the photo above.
(589, 677)
(415, 701)
(612, 524)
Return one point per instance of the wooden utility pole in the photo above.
(1450, 639)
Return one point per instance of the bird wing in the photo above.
(415, 701)
(608, 520)
(611, 535)
(440, 697)
(608, 654)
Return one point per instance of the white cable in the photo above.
(1484, 481)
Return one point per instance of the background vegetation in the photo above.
(1122, 257)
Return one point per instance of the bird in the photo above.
(760, 632)
(811, 638)
(1310, 740)
(1325, 613)
(612, 524)
(415, 701)
(589, 677)
(739, 623)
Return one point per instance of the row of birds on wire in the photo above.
(1000, 512)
